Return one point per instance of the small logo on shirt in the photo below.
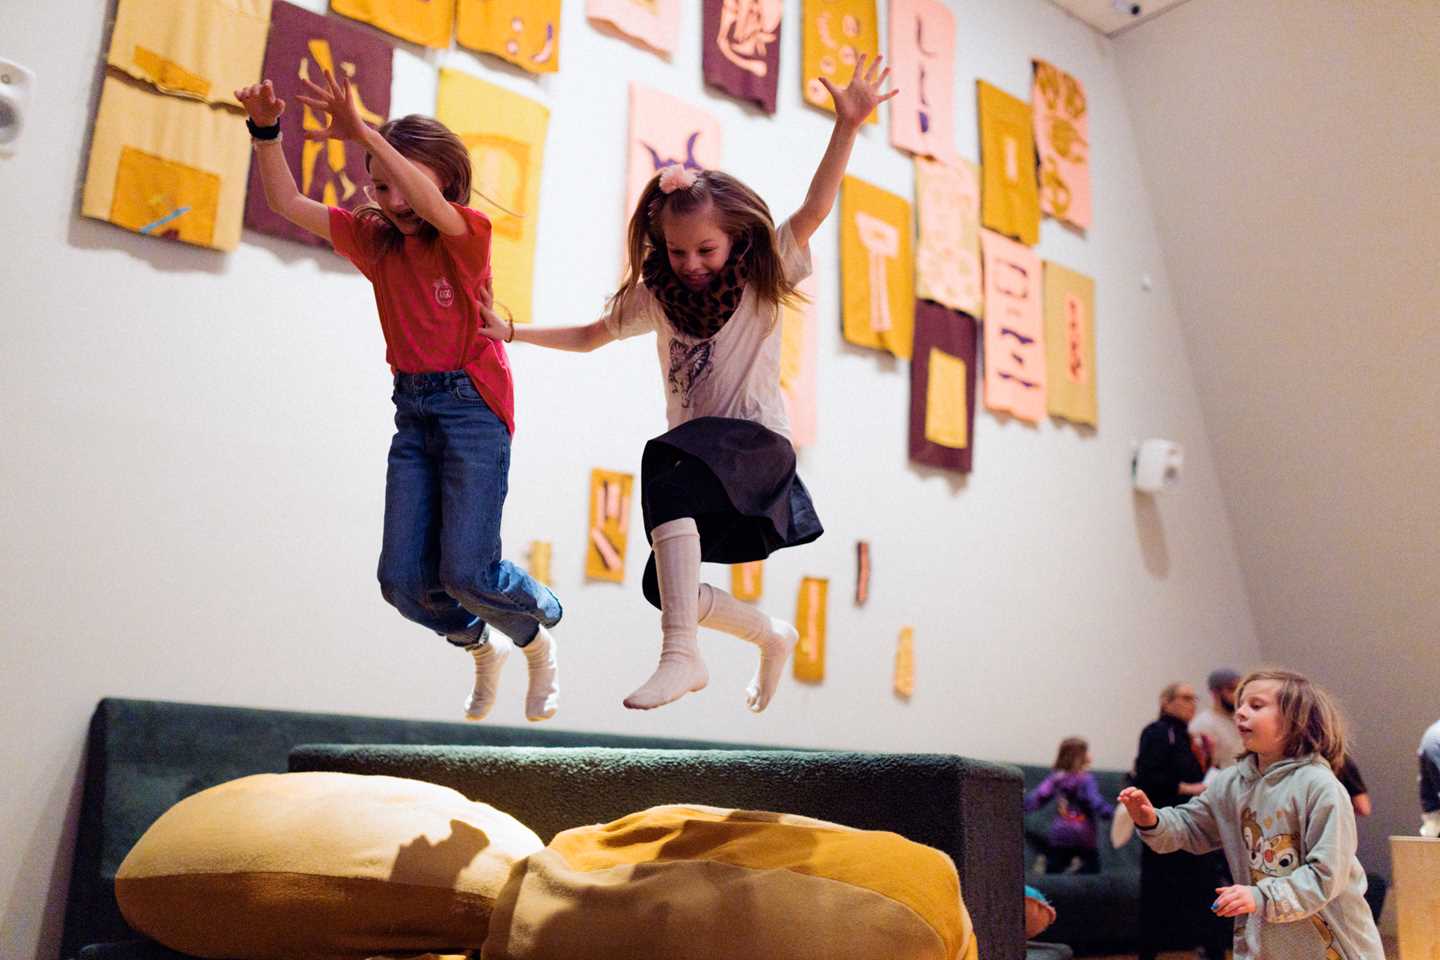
(444, 293)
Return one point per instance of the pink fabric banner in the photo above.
(1014, 328)
(302, 45)
(1062, 140)
(922, 61)
(655, 23)
(664, 130)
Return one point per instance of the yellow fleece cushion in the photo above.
(321, 865)
(706, 883)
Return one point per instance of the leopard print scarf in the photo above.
(698, 314)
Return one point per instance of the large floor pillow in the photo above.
(703, 882)
(320, 866)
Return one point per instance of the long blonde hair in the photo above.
(741, 214)
(1313, 721)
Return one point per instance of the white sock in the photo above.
(676, 545)
(542, 696)
(775, 638)
(489, 659)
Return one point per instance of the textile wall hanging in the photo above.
(1062, 140)
(835, 34)
(505, 134)
(942, 389)
(877, 268)
(429, 23)
(1014, 329)
(609, 525)
(655, 23)
(1070, 344)
(740, 49)
(303, 45)
(922, 61)
(523, 32)
(947, 260)
(1010, 202)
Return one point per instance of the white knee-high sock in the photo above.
(676, 545)
(775, 638)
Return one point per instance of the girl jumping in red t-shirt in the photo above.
(428, 257)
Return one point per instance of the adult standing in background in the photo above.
(1430, 782)
(1176, 889)
(1216, 723)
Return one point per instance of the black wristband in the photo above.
(263, 133)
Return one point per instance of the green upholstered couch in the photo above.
(143, 756)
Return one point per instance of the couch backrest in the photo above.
(144, 756)
(1111, 782)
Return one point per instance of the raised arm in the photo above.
(852, 106)
(281, 194)
(346, 123)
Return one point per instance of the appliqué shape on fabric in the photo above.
(444, 293)
(689, 366)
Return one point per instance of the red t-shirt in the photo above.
(428, 295)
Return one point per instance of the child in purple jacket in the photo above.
(1078, 805)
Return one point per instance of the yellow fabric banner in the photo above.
(524, 32)
(204, 49)
(1069, 306)
(1010, 198)
(877, 268)
(167, 166)
(747, 580)
(505, 134)
(835, 33)
(810, 608)
(609, 525)
(429, 23)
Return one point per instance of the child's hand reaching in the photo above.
(492, 325)
(855, 102)
(260, 102)
(1139, 807)
(1234, 901)
(334, 99)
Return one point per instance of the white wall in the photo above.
(1291, 151)
(195, 444)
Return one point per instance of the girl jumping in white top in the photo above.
(708, 271)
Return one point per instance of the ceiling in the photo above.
(1113, 17)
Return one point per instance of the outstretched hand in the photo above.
(335, 100)
(260, 102)
(856, 102)
(1139, 807)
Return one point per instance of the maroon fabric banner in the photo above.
(954, 333)
(741, 48)
(304, 44)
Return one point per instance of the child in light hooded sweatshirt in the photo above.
(1284, 822)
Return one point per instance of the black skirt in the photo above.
(737, 479)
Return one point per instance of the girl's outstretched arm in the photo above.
(852, 106)
(281, 194)
(581, 338)
(347, 124)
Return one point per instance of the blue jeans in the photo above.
(440, 562)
